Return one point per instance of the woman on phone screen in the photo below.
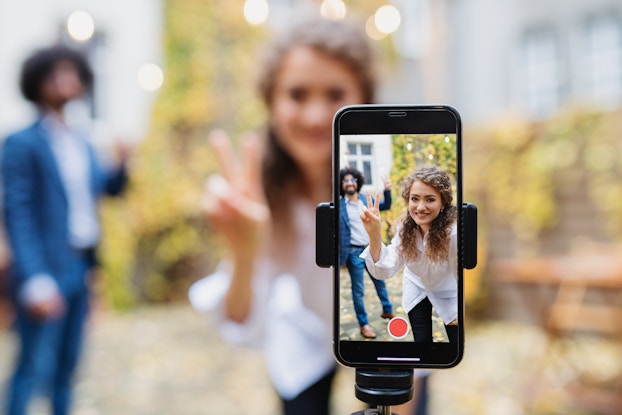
(426, 244)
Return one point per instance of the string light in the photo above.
(80, 26)
(387, 19)
(333, 9)
(150, 77)
(256, 11)
(372, 31)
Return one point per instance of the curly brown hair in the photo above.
(437, 249)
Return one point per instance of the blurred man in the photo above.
(352, 241)
(51, 183)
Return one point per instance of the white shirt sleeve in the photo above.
(207, 296)
(388, 263)
(295, 340)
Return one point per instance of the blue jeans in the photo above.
(48, 355)
(356, 266)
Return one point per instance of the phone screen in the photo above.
(397, 197)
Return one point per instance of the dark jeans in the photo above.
(421, 322)
(356, 266)
(48, 355)
(313, 400)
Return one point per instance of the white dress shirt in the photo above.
(358, 235)
(437, 281)
(72, 159)
(291, 311)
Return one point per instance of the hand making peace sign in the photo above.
(371, 216)
(234, 202)
(371, 221)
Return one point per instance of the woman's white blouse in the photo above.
(291, 312)
(437, 281)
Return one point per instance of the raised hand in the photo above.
(371, 215)
(387, 182)
(371, 221)
(234, 202)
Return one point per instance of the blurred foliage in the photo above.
(516, 171)
(155, 240)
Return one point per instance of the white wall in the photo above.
(131, 36)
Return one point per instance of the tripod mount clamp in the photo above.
(383, 388)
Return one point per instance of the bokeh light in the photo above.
(333, 9)
(150, 77)
(371, 29)
(80, 26)
(256, 11)
(387, 19)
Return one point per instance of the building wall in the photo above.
(470, 54)
(128, 35)
(474, 59)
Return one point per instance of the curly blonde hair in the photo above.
(437, 249)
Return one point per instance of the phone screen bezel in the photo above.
(396, 119)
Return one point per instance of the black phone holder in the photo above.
(326, 243)
(383, 388)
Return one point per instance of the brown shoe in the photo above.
(368, 332)
(388, 316)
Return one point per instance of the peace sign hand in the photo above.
(371, 215)
(234, 202)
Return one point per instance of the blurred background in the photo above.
(539, 87)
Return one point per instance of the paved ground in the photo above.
(350, 328)
(165, 360)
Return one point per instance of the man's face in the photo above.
(349, 184)
(62, 85)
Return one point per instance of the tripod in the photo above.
(383, 388)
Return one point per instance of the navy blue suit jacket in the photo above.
(36, 208)
(344, 224)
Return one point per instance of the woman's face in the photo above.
(310, 87)
(424, 204)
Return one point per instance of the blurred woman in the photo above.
(270, 292)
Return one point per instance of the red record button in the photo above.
(398, 327)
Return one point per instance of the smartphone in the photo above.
(401, 166)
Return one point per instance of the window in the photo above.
(360, 156)
(602, 70)
(541, 81)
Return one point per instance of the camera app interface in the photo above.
(398, 250)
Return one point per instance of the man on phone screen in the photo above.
(352, 241)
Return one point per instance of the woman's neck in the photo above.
(424, 230)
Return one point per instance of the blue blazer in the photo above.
(344, 224)
(36, 208)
